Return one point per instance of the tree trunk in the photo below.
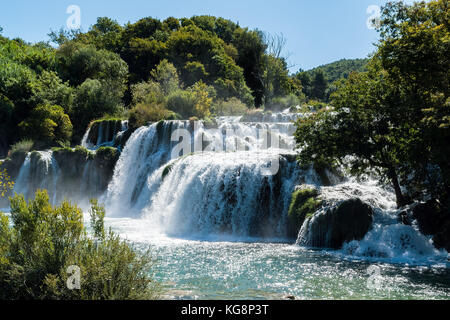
(401, 201)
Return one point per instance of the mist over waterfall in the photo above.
(190, 179)
(223, 188)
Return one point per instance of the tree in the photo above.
(50, 89)
(318, 85)
(251, 49)
(415, 52)
(93, 100)
(78, 62)
(357, 132)
(166, 75)
(48, 124)
(202, 100)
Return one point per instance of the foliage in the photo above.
(393, 118)
(318, 83)
(47, 124)
(202, 100)
(44, 241)
(229, 107)
(23, 146)
(181, 102)
(283, 103)
(165, 74)
(50, 89)
(94, 99)
(142, 114)
(5, 183)
(303, 205)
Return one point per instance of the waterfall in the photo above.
(218, 183)
(106, 133)
(388, 239)
(218, 186)
(71, 178)
(39, 171)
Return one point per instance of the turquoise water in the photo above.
(248, 269)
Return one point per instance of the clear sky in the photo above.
(317, 31)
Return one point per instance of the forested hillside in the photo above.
(318, 82)
(146, 71)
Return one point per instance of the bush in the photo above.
(47, 124)
(5, 183)
(142, 114)
(181, 102)
(44, 241)
(24, 146)
(282, 103)
(304, 204)
(230, 107)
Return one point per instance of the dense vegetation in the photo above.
(148, 70)
(394, 118)
(318, 83)
(45, 244)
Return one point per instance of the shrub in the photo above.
(282, 103)
(5, 183)
(181, 102)
(203, 99)
(304, 204)
(230, 107)
(48, 124)
(147, 93)
(142, 114)
(23, 146)
(44, 241)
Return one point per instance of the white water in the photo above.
(40, 172)
(102, 136)
(217, 223)
(224, 192)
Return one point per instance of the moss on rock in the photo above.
(304, 204)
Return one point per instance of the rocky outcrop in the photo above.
(432, 219)
(330, 228)
(303, 205)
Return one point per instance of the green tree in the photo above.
(48, 124)
(415, 51)
(94, 99)
(318, 85)
(50, 89)
(166, 75)
(358, 133)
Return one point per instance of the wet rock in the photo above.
(432, 220)
(347, 221)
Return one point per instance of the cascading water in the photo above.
(158, 197)
(224, 190)
(104, 134)
(219, 186)
(63, 179)
(388, 239)
(39, 171)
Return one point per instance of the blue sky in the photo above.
(317, 31)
